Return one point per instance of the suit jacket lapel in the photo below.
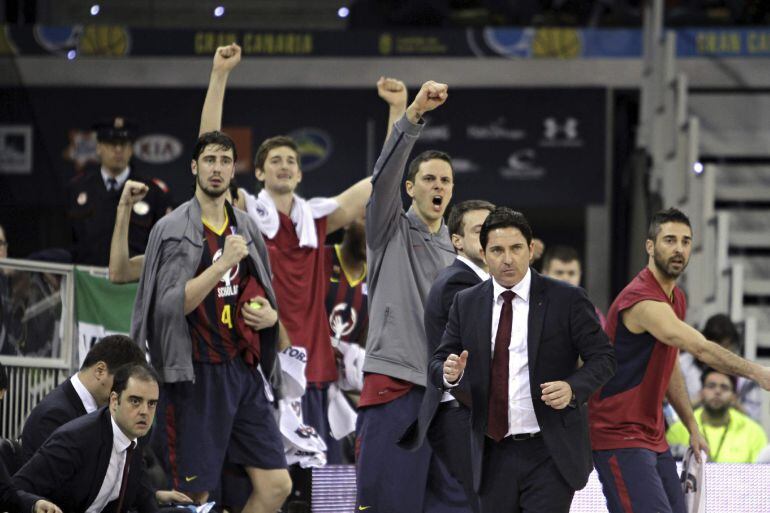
(483, 321)
(537, 307)
(74, 398)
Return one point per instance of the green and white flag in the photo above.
(103, 308)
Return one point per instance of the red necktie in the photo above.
(497, 421)
(124, 480)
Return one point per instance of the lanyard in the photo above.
(722, 438)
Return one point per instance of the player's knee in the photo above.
(274, 490)
(282, 487)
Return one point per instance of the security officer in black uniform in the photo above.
(93, 198)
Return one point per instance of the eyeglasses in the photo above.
(720, 386)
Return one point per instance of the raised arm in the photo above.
(122, 268)
(393, 91)
(385, 204)
(659, 319)
(353, 200)
(225, 59)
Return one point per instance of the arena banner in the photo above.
(525, 146)
(508, 42)
(102, 308)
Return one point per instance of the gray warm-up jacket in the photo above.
(403, 259)
(173, 254)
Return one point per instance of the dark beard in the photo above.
(716, 413)
(664, 269)
(209, 192)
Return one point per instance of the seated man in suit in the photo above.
(87, 465)
(83, 393)
(516, 339)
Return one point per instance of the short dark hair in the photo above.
(414, 165)
(216, 138)
(272, 143)
(139, 371)
(719, 327)
(504, 217)
(562, 253)
(3, 378)
(456, 222)
(670, 215)
(709, 370)
(115, 351)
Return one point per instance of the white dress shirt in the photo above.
(521, 412)
(110, 489)
(476, 269)
(120, 179)
(89, 403)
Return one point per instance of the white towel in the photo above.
(263, 211)
(342, 417)
(351, 376)
(693, 482)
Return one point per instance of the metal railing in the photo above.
(37, 336)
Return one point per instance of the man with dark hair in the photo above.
(516, 340)
(92, 197)
(732, 436)
(294, 230)
(449, 432)
(646, 326)
(563, 263)
(85, 392)
(405, 252)
(87, 464)
(206, 309)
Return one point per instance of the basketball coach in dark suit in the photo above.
(88, 465)
(516, 339)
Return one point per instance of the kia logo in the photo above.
(157, 148)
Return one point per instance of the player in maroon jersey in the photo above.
(646, 326)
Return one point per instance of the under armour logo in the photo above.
(569, 129)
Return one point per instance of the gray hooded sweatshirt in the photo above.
(403, 259)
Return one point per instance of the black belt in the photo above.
(518, 437)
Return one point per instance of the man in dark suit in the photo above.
(87, 465)
(516, 340)
(83, 393)
(448, 434)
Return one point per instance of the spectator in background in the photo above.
(92, 198)
(563, 263)
(721, 330)
(732, 437)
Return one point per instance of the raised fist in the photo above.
(227, 57)
(393, 91)
(431, 95)
(133, 192)
(235, 251)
